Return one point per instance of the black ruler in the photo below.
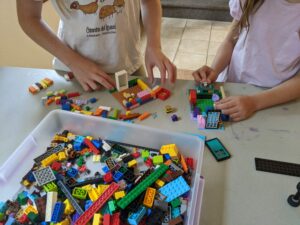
(272, 166)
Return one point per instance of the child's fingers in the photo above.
(203, 75)
(163, 74)
(171, 69)
(92, 85)
(236, 117)
(230, 111)
(104, 82)
(149, 69)
(196, 76)
(108, 79)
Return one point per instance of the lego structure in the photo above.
(202, 100)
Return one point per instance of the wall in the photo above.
(16, 49)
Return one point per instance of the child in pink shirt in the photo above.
(262, 48)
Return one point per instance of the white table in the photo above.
(235, 193)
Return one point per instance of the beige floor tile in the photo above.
(196, 34)
(170, 54)
(189, 61)
(210, 59)
(218, 35)
(173, 22)
(218, 25)
(171, 32)
(201, 24)
(213, 47)
(193, 46)
(170, 44)
(185, 74)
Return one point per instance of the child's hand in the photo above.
(237, 107)
(155, 57)
(90, 76)
(205, 74)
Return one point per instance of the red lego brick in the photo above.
(193, 97)
(163, 94)
(108, 177)
(96, 206)
(73, 94)
(56, 166)
(136, 155)
(190, 162)
(91, 146)
(115, 219)
(106, 219)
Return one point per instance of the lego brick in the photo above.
(157, 160)
(58, 212)
(141, 187)
(91, 146)
(174, 189)
(149, 197)
(272, 166)
(51, 200)
(136, 217)
(44, 176)
(96, 219)
(49, 152)
(121, 78)
(69, 196)
(88, 214)
(213, 119)
(79, 193)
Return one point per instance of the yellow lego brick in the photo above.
(93, 194)
(86, 112)
(132, 163)
(60, 138)
(119, 194)
(64, 222)
(102, 188)
(87, 187)
(89, 137)
(159, 183)
(62, 156)
(26, 183)
(29, 209)
(69, 209)
(49, 160)
(142, 85)
(96, 158)
(19, 214)
(44, 85)
(170, 149)
(149, 197)
(96, 219)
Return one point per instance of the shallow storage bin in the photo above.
(21, 161)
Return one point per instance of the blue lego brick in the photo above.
(10, 221)
(66, 107)
(167, 157)
(104, 114)
(88, 204)
(175, 212)
(3, 207)
(93, 100)
(175, 189)
(118, 176)
(72, 172)
(30, 177)
(136, 217)
(97, 143)
(58, 212)
(105, 169)
(75, 217)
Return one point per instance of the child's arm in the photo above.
(87, 72)
(222, 58)
(151, 15)
(242, 107)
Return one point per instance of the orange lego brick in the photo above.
(149, 197)
(98, 112)
(32, 90)
(183, 164)
(49, 101)
(144, 116)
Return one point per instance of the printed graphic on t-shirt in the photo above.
(105, 11)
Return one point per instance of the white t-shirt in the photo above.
(105, 31)
(270, 53)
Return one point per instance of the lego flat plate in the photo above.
(119, 95)
(272, 166)
(36, 142)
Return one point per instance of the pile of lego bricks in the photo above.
(38, 86)
(70, 101)
(202, 100)
(139, 93)
(81, 179)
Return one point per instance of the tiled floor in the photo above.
(191, 43)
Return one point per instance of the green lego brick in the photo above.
(79, 193)
(158, 159)
(33, 217)
(2, 216)
(112, 206)
(113, 90)
(50, 187)
(145, 154)
(132, 83)
(22, 198)
(175, 203)
(202, 104)
(135, 192)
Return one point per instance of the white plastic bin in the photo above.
(56, 121)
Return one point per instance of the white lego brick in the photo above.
(121, 80)
(51, 200)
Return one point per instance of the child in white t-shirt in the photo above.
(262, 48)
(99, 37)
